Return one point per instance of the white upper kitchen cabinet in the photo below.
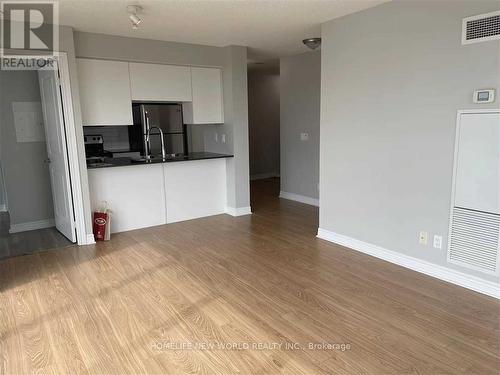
(104, 92)
(163, 83)
(207, 104)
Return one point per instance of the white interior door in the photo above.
(57, 153)
(477, 185)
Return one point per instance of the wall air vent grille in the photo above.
(481, 28)
(475, 240)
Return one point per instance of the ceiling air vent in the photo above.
(481, 28)
(475, 240)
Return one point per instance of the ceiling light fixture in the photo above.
(132, 10)
(312, 43)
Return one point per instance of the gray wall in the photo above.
(393, 78)
(235, 126)
(300, 113)
(26, 175)
(145, 50)
(264, 122)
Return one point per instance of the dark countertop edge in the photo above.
(126, 162)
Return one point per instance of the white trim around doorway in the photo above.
(71, 141)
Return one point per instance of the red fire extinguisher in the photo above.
(102, 223)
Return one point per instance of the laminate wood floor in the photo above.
(147, 302)
(28, 242)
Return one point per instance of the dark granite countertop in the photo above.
(123, 162)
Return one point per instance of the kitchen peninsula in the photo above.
(144, 194)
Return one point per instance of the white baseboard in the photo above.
(263, 176)
(90, 240)
(444, 273)
(3, 208)
(239, 211)
(31, 225)
(299, 198)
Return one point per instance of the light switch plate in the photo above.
(304, 136)
(422, 237)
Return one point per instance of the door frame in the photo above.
(71, 144)
(72, 147)
(5, 207)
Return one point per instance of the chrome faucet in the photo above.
(148, 136)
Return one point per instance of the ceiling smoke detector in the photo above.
(312, 43)
(132, 10)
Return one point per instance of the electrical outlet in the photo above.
(223, 138)
(438, 241)
(422, 237)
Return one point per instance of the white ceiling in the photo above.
(269, 28)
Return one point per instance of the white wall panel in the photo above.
(135, 195)
(477, 180)
(195, 189)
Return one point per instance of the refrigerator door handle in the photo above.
(145, 129)
(148, 144)
(147, 121)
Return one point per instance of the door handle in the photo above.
(147, 121)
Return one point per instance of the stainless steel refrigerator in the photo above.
(167, 117)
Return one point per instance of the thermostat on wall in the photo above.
(484, 96)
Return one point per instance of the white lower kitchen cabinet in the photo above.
(135, 195)
(142, 196)
(195, 189)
